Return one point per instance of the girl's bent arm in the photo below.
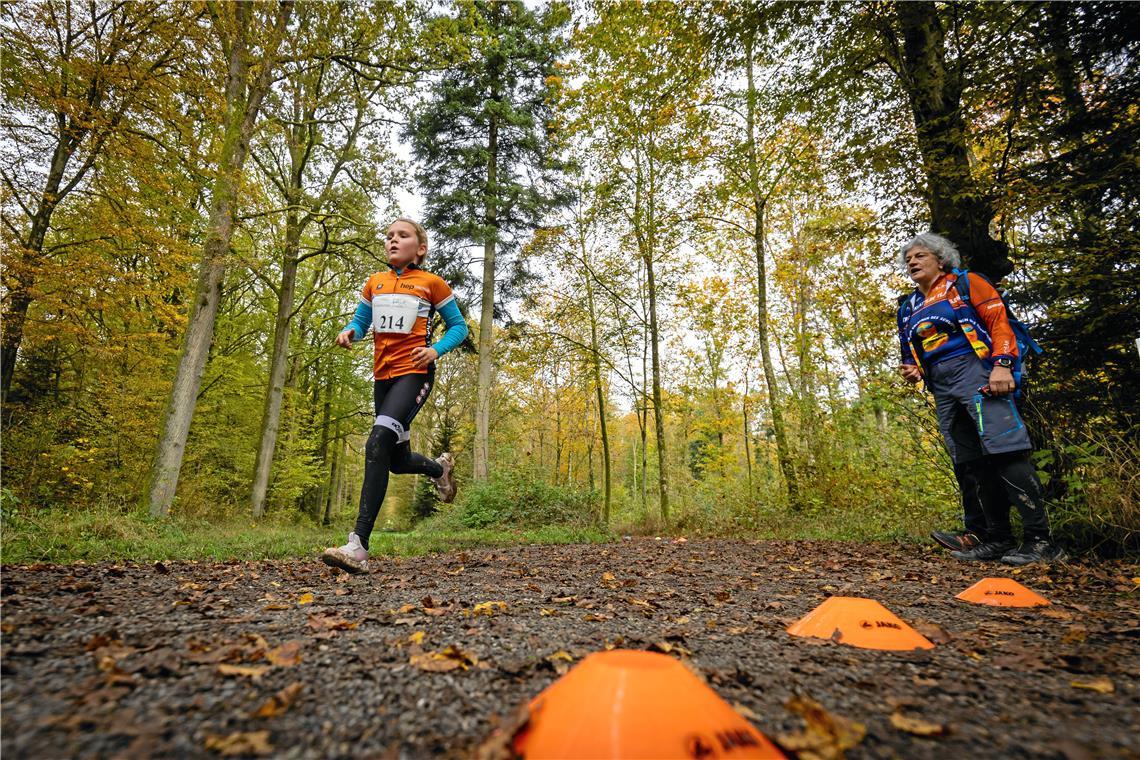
(456, 328)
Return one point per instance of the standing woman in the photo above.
(398, 305)
(965, 351)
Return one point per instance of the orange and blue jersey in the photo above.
(942, 325)
(398, 305)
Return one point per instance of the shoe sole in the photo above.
(334, 561)
(952, 546)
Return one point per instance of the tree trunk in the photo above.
(243, 103)
(596, 365)
(959, 208)
(783, 453)
(271, 416)
(487, 313)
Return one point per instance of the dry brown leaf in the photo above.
(1101, 684)
(547, 612)
(277, 606)
(936, 633)
(448, 658)
(608, 578)
(286, 655)
(916, 726)
(825, 736)
(1075, 635)
(329, 623)
(595, 617)
(305, 598)
(280, 702)
(251, 743)
(247, 671)
(1056, 613)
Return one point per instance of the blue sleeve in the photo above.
(361, 321)
(456, 328)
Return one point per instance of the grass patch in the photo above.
(105, 535)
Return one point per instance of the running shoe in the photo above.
(351, 558)
(445, 483)
(1040, 550)
(990, 551)
(956, 541)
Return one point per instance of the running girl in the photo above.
(398, 305)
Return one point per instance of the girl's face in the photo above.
(402, 245)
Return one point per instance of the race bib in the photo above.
(394, 313)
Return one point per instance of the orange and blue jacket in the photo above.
(385, 299)
(942, 325)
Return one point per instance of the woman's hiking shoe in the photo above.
(1041, 550)
(445, 483)
(989, 551)
(956, 541)
(351, 558)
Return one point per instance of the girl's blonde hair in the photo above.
(421, 236)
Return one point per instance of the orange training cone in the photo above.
(1002, 592)
(630, 704)
(861, 623)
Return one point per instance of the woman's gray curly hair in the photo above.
(943, 249)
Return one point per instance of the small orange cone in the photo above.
(860, 623)
(631, 704)
(1002, 592)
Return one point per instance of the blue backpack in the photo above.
(1026, 345)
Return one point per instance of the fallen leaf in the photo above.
(547, 612)
(448, 658)
(561, 654)
(1075, 635)
(286, 655)
(305, 598)
(248, 671)
(251, 743)
(417, 637)
(916, 726)
(320, 622)
(664, 647)
(595, 617)
(608, 578)
(1056, 613)
(936, 633)
(825, 736)
(276, 606)
(1100, 684)
(488, 608)
(279, 702)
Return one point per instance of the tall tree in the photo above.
(487, 165)
(77, 76)
(324, 126)
(643, 71)
(249, 36)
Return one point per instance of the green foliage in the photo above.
(523, 498)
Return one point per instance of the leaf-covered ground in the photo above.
(428, 655)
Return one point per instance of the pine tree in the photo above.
(488, 165)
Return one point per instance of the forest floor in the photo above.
(294, 659)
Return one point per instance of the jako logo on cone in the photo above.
(860, 623)
(631, 704)
(1002, 592)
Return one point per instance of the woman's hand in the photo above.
(344, 340)
(910, 372)
(1001, 381)
(423, 356)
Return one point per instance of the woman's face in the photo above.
(402, 245)
(922, 265)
